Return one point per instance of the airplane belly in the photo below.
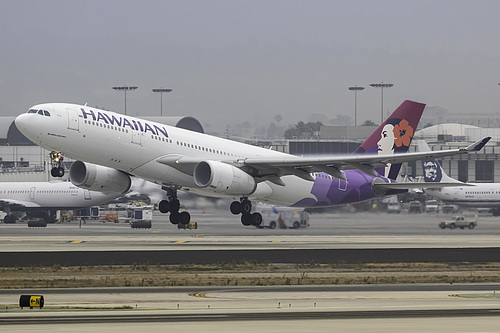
(163, 174)
(324, 191)
(295, 190)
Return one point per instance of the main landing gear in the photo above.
(244, 207)
(57, 171)
(172, 205)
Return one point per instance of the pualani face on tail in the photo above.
(394, 136)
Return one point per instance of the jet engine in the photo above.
(98, 178)
(223, 178)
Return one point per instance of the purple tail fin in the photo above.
(394, 135)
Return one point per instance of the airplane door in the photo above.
(86, 194)
(137, 137)
(342, 183)
(73, 123)
(32, 193)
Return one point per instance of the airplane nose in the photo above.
(26, 125)
(21, 121)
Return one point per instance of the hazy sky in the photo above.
(230, 61)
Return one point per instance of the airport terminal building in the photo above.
(21, 160)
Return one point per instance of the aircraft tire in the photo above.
(174, 218)
(174, 205)
(164, 206)
(246, 207)
(184, 218)
(235, 207)
(57, 172)
(256, 219)
(246, 219)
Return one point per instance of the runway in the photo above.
(437, 308)
(337, 236)
(331, 238)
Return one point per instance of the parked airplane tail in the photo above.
(394, 136)
(431, 168)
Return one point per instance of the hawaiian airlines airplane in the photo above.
(109, 147)
(480, 195)
(43, 199)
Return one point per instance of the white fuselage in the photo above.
(481, 195)
(26, 196)
(134, 145)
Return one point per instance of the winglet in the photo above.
(478, 145)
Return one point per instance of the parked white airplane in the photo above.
(43, 199)
(109, 147)
(481, 195)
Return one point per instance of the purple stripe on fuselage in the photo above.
(329, 193)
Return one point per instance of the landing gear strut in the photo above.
(244, 207)
(57, 171)
(173, 205)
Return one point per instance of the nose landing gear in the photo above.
(57, 171)
(244, 207)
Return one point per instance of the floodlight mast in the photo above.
(161, 91)
(381, 85)
(356, 89)
(125, 88)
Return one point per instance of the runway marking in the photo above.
(490, 295)
(198, 236)
(76, 242)
(179, 242)
(201, 294)
(275, 241)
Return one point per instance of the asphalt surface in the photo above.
(331, 238)
(336, 237)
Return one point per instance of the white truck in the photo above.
(458, 221)
(283, 217)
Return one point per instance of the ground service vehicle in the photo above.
(190, 226)
(457, 222)
(394, 207)
(415, 207)
(283, 217)
(432, 206)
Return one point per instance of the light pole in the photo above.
(161, 91)
(381, 85)
(125, 88)
(356, 88)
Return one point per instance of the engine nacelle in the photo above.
(223, 178)
(98, 178)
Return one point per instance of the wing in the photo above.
(333, 165)
(272, 169)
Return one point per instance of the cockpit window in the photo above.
(40, 112)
